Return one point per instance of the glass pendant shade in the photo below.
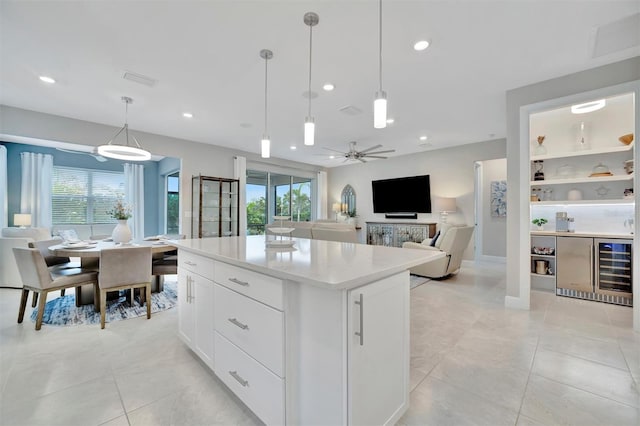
(309, 131)
(266, 147)
(380, 110)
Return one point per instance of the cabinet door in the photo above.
(186, 319)
(378, 366)
(574, 263)
(202, 302)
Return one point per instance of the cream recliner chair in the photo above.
(453, 240)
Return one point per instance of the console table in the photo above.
(393, 234)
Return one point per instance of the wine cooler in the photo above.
(613, 267)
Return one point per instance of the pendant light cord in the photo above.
(266, 59)
(126, 120)
(310, 50)
(380, 43)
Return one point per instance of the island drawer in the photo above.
(253, 284)
(256, 386)
(252, 326)
(195, 263)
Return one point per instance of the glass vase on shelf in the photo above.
(540, 149)
(582, 140)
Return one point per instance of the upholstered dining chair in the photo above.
(37, 277)
(165, 263)
(53, 262)
(124, 268)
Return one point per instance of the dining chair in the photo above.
(165, 263)
(39, 278)
(124, 268)
(53, 262)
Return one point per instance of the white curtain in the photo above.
(35, 194)
(240, 173)
(134, 197)
(3, 187)
(321, 209)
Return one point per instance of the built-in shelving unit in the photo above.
(568, 154)
(595, 179)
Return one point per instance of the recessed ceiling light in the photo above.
(187, 115)
(588, 107)
(328, 87)
(332, 157)
(421, 45)
(390, 121)
(47, 79)
(293, 147)
(423, 138)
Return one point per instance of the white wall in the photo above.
(518, 282)
(197, 158)
(451, 174)
(494, 229)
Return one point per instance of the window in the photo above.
(271, 194)
(173, 200)
(81, 196)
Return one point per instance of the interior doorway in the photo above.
(490, 185)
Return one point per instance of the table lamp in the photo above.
(446, 205)
(337, 208)
(22, 220)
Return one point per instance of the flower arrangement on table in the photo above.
(120, 211)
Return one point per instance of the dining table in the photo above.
(89, 254)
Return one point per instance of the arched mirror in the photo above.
(348, 200)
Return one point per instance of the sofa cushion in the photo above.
(36, 234)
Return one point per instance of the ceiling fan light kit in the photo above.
(126, 152)
(311, 19)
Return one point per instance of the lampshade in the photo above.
(126, 152)
(337, 207)
(22, 219)
(309, 131)
(265, 147)
(446, 204)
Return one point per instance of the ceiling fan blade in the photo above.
(362, 159)
(375, 156)
(381, 152)
(372, 148)
(334, 150)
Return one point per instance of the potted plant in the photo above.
(352, 216)
(539, 222)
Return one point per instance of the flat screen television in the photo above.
(402, 195)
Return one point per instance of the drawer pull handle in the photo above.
(190, 263)
(237, 281)
(238, 323)
(240, 380)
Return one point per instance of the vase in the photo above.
(121, 233)
(540, 227)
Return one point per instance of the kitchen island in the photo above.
(313, 334)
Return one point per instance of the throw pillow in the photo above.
(434, 239)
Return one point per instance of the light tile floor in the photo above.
(473, 362)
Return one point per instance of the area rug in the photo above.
(417, 280)
(63, 310)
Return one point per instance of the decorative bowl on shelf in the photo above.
(600, 170)
(626, 139)
(548, 251)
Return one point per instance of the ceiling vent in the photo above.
(139, 78)
(350, 110)
(617, 36)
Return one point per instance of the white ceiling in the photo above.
(205, 58)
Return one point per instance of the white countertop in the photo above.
(327, 264)
(584, 234)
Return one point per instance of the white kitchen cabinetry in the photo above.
(378, 387)
(543, 262)
(195, 305)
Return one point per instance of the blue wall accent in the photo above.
(152, 203)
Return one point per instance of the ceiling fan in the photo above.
(99, 158)
(355, 155)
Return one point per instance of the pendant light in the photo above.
(265, 144)
(126, 152)
(380, 102)
(311, 19)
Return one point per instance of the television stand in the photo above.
(393, 234)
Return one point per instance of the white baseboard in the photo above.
(516, 303)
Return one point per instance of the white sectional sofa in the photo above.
(320, 230)
(85, 232)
